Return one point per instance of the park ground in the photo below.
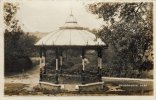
(25, 84)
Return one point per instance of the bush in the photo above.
(17, 64)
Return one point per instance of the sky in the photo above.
(49, 15)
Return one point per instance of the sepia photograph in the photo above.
(78, 48)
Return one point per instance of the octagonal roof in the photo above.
(70, 34)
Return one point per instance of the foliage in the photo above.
(128, 29)
(18, 45)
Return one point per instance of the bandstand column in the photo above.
(40, 78)
(99, 74)
(83, 67)
(42, 63)
(61, 61)
(57, 64)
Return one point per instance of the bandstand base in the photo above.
(51, 86)
(91, 87)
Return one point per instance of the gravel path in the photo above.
(30, 77)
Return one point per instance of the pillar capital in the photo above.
(61, 52)
(56, 53)
(99, 52)
(83, 53)
(42, 51)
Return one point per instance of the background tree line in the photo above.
(18, 45)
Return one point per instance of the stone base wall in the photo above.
(50, 86)
(98, 86)
(69, 79)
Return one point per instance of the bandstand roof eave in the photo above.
(72, 46)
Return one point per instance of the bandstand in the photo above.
(69, 36)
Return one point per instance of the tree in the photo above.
(18, 45)
(128, 29)
(13, 31)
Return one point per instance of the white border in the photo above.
(2, 97)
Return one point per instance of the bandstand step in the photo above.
(50, 86)
(70, 87)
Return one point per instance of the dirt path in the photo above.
(30, 77)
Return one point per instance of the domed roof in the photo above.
(70, 34)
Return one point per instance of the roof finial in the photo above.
(71, 13)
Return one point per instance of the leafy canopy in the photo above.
(128, 28)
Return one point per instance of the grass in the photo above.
(14, 88)
(20, 90)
